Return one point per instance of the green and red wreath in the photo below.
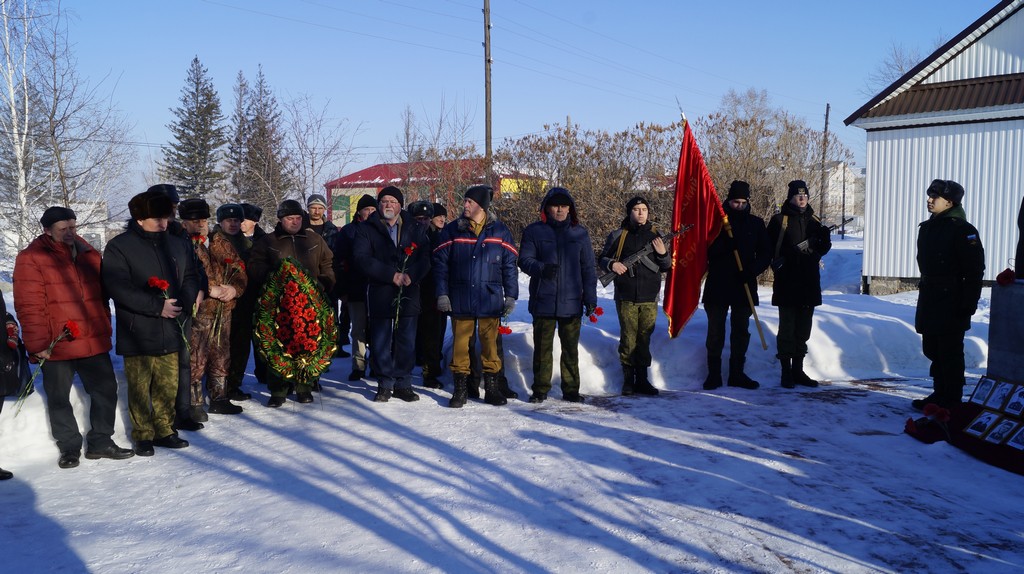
(294, 322)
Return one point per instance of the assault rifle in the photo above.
(805, 246)
(632, 260)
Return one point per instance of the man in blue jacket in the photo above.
(557, 255)
(477, 283)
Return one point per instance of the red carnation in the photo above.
(158, 283)
(73, 331)
(505, 330)
(598, 311)
(593, 318)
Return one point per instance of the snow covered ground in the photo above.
(772, 480)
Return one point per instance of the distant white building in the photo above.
(959, 115)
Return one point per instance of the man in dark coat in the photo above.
(557, 255)
(351, 284)
(798, 240)
(249, 231)
(430, 326)
(392, 249)
(636, 292)
(477, 283)
(316, 206)
(952, 263)
(154, 280)
(723, 287)
(290, 239)
(57, 280)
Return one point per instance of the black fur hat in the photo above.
(948, 190)
(193, 208)
(230, 211)
(151, 204)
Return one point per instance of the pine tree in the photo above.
(268, 165)
(191, 161)
(237, 164)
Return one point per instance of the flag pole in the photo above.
(746, 287)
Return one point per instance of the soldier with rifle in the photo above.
(636, 290)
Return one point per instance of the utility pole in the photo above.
(824, 168)
(488, 150)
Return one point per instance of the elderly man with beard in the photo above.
(393, 251)
(289, 239)
(57, 280)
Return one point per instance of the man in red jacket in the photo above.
(57, 283)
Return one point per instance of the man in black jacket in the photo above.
(723, 287)
(952, 263)
(154, 282)
(351, 285)
(799, 241)
(636, 292)
(392, 250)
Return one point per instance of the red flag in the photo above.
(696, 203)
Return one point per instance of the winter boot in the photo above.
(473, 386)
(224, 407)
(799, 376)
(714, 379)
(737, 378)
(197, 414)
(459, 394)
(643, 384)
(787, 373)
(492, 390)
(505, 390)
(628, 380)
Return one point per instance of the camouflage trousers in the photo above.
(636, 323)
(210, 344)
(543, 353)
(152, 386)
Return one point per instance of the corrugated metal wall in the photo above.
(986, 158)
(1001, 51)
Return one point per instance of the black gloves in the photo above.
(550, 271)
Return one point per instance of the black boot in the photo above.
(503, 387)
(492, 390)
(787, 373)
(628, 380)
(643, 384)
(737, 378)
(799, 376)
(473, 386)
(714, 379)
(459, 394)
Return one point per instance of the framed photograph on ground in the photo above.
(1017, 440)
(982, 423)
(999, 396)
(982, 390)
(1016, 404)
(1002, 431)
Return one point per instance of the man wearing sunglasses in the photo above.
(952, 263)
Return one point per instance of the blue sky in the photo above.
(605, 64)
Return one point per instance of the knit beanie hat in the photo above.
(393, 192)
(54, 214)
(289, 207)
(739, 190)
(440, 210)
(193, 208)
(316, 199)
(795, 187)
(481, 194)
(635, 202)
(366, 200)
(558, 196)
